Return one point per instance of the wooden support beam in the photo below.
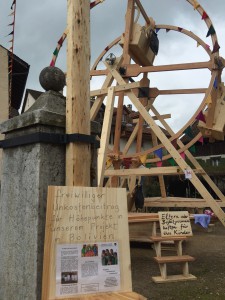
(136, 70)
(166, 116)
(106, 128)
(160, 177)
(154, 92)
(142, 10)
(78, 155)
(118, 88)
(148, 172)
(178, 202)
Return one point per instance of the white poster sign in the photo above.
(87, 268)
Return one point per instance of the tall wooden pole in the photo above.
(78, 155)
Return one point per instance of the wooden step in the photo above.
(157, 238)
(173, 278)
(173, 259)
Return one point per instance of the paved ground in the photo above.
(209, 268)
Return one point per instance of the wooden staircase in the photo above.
(164, 260)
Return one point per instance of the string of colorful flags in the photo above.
(64, 35)
(11, 48)
(211, 30)
(127, 161)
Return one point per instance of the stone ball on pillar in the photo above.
(52, 78)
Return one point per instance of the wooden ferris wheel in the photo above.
(139, 46)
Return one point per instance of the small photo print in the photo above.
(89, 250)
(109, 257)
(69, 277)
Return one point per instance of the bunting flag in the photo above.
(216, 47)
(148, 165)
(143, 158)
(159, 153)
(200, 117)
(207, 47)
(172, 161)
(180, 29)
(94, 3)
(208, 100)
(182, 154)
(14, 2)
(192, 149)
(201, 140)
(157, 30)
(174, 143)
(159, 164)
(196, 4)
(58, 47)
(108, 163)
(204, 15)
(188, 131)
(211, 31)
(215, 84)
(198, 44)
(167, 30)
(11, 48)
(127, 162)
(11, 33)
(64, 35)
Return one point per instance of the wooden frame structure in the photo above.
(145, 104)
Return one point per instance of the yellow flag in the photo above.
(143, 158)
(108, 162)
(208, 100)
(196, 5)
(198, 44)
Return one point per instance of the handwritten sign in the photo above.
(85, 216)
(175, 223)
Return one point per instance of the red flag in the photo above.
(60, 41)
(201, 140)
(201, 117)
(159, 164)
(182, 154)
(216, 47)
(204, 15)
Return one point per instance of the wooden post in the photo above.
(78, 155)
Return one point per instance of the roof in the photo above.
(19, 79)
(35, 94)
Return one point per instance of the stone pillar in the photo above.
(28, 170)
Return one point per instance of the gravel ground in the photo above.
(208, 248)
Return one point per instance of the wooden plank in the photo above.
(143, 12)
(173, 278)
(163, 239)
(173, 259)
(135, 70)
(106, 128)
(189, 202)
(165, 116)
(108, 296)
(78, 155)
(118, 88)
(148, 172)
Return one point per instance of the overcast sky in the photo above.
(39, 25)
